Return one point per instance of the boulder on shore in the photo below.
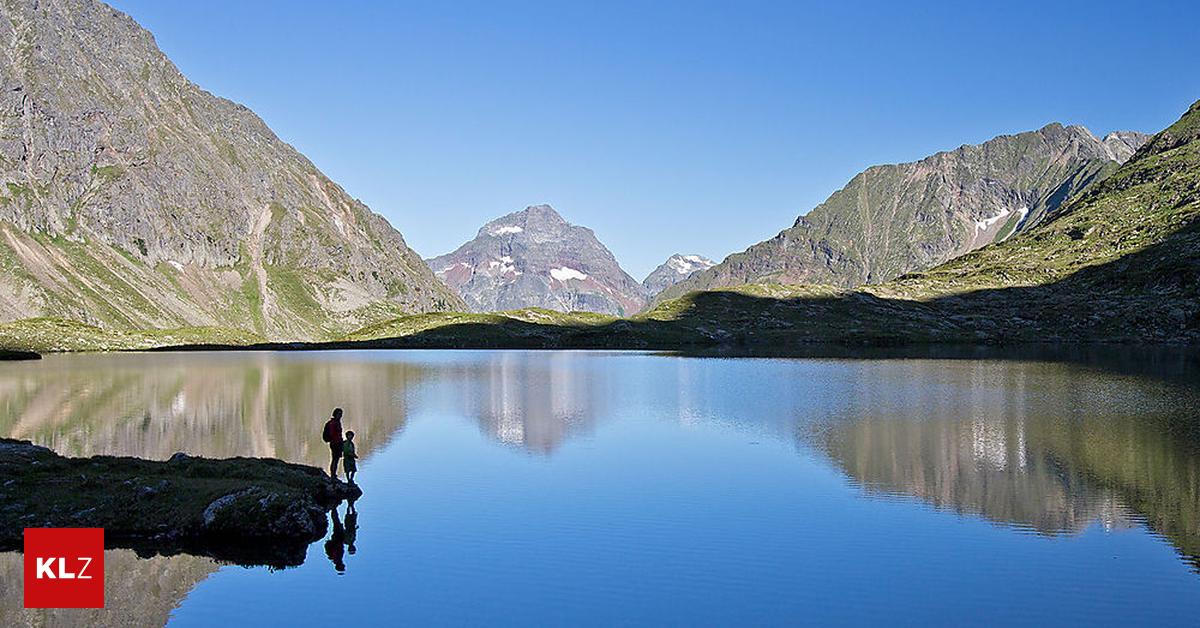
(250, 511)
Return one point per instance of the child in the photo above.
(349, 457)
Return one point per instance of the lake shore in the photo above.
(13, 356)
(249, 511)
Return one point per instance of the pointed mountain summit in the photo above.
(893, 219)
(130, 198)
(534, 258)
(677, 268)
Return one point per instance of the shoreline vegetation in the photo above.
(767, 318)
(247, 511)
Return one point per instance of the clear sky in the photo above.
(690, 127)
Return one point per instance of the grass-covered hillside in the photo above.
(46, 335)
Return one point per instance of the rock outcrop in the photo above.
(534, 258)
(130, 198)
(245, 510)
(9, 355)
(894, 219)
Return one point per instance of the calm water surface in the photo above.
(599, 488)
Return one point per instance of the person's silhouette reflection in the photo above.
(351, 526)
(333, 546)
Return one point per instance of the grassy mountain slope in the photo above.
(899, 218)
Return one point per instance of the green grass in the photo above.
(108, 174)
(48, 335)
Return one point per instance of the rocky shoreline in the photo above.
(11, 355)
(249, 511)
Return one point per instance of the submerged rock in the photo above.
(250, 511)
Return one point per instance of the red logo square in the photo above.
(64, 567)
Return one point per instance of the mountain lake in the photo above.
(597, 488)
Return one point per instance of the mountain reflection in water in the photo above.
(205, 404)
(1029, 445)
(535, 404)
(1042, 446)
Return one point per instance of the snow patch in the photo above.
(686, 264)
(564, 273)
(176, 265)
(505, 230)
(986, 223)
(504, 265)
(1024, 211)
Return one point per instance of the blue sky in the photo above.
(691, 127)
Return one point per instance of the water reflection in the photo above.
(342, 536)
(137, 591)
(216, 405)
(532, 400)
(334, 545)
(1045, 447)
(1037, 446)
(979, 467)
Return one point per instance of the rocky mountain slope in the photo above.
(1119, 263)
(894, 219)
(130, 198)
(534, 258)
(677, 268)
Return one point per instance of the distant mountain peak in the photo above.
(677, 268)
(535, 258)
(535, 218)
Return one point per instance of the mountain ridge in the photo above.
(891, 219)
(677, 268)
(131, 198)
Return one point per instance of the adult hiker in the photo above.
(333, 435)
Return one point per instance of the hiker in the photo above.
(333, 435)
(349, 457)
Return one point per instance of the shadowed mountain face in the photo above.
(132, 198)
(677, 268)
(534, 258)
(894, 219)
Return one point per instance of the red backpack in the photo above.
(325, 432)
